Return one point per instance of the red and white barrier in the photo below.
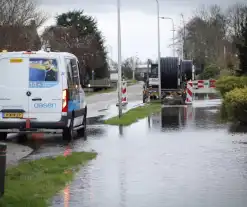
(189, 93)
(124, 93)
(197, 84)
(200, 83)
(212, 83)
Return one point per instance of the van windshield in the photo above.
(43, 72)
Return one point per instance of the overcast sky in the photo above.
(138, 21)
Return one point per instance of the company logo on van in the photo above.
(45, 105)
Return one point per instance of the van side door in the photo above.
(82, 93)
(73, 81)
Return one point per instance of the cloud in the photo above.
(138, 21)
(147, 6)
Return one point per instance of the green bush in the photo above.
(210, 72)
(235, 103)
(228, 83)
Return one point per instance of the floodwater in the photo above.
(182, 157)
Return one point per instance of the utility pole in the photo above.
(184, 52)
(173, 39)
(158, 41)
(119, 61)
(148, 66)
(173, 34)
(133, 67)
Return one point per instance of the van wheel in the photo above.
(3, 136)
(68, 132)
(82, 132)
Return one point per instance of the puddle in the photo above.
(181, 157)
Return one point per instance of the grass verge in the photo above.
(134, 115)
(34, 183)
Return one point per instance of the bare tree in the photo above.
(207, 36)
(20, 12)
(236, 16)
(16, 38)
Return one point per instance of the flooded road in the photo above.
(181, 157)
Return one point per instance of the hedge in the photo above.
(227, 83)
(235, 104)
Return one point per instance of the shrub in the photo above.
(223, 112)
(228, 83)
(235, 102)
(211, 71)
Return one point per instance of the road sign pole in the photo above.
(119, 61)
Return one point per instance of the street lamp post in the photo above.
(119, 61)
(133, 67)
(173, 33)
(158, 35)
(184, 52)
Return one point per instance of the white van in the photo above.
(41, 92)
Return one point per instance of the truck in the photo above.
(174, 75)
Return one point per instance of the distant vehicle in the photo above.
(114, 76)
(41, 92)
(174, 74)
(153, 79)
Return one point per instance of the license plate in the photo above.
(13, 115)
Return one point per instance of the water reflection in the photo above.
(66, 196)
(170, 118)
(173, 118)
(121, 130)
(66, 190)
(205, 96)
(237, 128)
(179, 118)
(122, 184)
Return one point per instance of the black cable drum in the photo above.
(169, 72)
(186, 68)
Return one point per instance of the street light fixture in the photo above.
(173, 33)
(158, 35)
(119, 61)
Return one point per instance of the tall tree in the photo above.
(209, 37)
(89, 39)
(19, 20)
(19, 38)
(21, 12)
(242, 47)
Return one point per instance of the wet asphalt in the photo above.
(183, 156)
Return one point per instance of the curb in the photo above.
(16, 152)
